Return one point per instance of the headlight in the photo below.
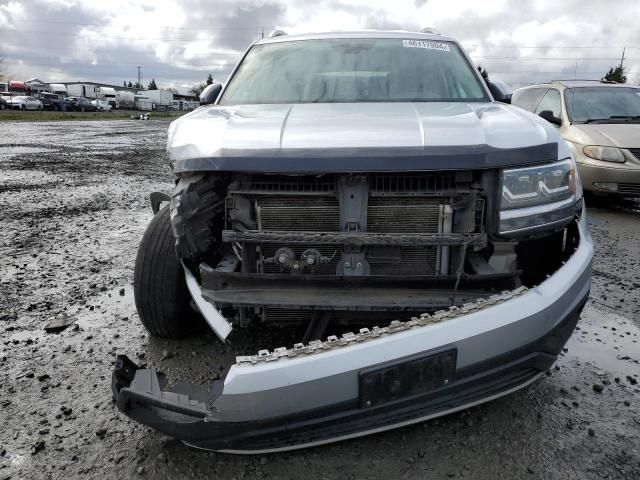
(607, 154)
(539, 198)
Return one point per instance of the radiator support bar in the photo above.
(357, 238)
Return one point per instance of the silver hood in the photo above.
(217, 131)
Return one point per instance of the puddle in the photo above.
(606, 341)
(107, 307)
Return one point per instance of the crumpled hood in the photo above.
(219, 131)
(623, 135)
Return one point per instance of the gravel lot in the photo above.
(74, 206)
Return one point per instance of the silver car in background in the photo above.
(22, 102)
(601, 124)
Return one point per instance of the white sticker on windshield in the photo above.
(426, 44)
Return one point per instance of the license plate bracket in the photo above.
(406, 377)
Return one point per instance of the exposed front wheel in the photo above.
(160, 290)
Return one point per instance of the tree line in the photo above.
(195, 90)
(151, 86)
(615, 74)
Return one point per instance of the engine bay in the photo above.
(356, 249)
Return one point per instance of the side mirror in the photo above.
(210, 94)
(550, 117)
(499, 92)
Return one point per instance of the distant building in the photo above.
(117, 88)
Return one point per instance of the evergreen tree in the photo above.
(152, 85)
(124, 84)
(209, 79)
(616, 75)
(130, 85)
(484, 73)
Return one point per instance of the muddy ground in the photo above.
(73, 203)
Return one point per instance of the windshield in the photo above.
(354, 70)
(599, 104)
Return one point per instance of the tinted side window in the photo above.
(551, 102)
(529, 98)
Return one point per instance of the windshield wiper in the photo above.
(615, 118)
(596, 120)
(625, 117)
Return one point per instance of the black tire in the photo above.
(201, 206)
(159, 286)
(23, 107)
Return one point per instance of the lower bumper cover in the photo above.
(626, 176)
(288, 400)
(185, 413)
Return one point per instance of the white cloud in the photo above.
(179, 43)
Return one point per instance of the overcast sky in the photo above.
(179, 42)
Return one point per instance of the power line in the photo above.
(101, 35)
(212, 67)
(545, 72)
(260, 31)
(547, 46)
(551, 58)
(89, 63)
(170, 27)
(261, 28)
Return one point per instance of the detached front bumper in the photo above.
(317, 393)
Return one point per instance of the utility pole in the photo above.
(261, 32)
(140, 77)
(622, 59)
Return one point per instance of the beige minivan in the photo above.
(601, 124)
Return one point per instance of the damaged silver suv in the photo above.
(366, 190)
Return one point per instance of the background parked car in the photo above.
(102, 105)
(3, 104)
(50, 101)
(21, 102)
(601, 124)
(81, 104)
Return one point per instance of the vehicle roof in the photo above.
(578, 83)
(358, 34)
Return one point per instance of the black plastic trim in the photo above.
(340, 160)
